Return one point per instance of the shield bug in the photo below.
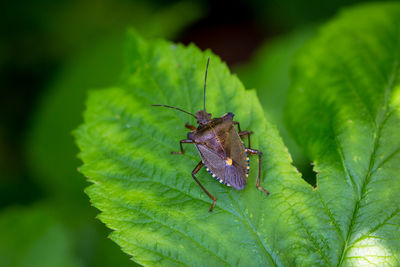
(221, 148)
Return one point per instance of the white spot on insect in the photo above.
(228, 184)
(220, 181)
(248, 167)
(228, 161)
(214, 175)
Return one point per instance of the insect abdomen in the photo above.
(217, 178)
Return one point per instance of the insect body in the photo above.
(221, 149)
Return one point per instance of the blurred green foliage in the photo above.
(35, 237)
(290, 14)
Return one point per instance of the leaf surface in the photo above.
(158, 212)
(343, 109)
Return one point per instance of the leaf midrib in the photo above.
(247, 220)
(258, 237)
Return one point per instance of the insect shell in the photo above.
(220, 147)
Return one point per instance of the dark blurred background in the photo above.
(52, 52)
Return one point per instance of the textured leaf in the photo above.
(160, 216)
(344, 110)
(148, 195)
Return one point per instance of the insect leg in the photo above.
(194, 172)
(259, 153)
(244, 133)
(190, 127)
(185, 141)
(238, 125)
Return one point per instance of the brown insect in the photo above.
(221, 148)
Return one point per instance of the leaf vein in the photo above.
(185, 235)
(388, 89)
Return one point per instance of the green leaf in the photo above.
(344, 109)
(148, 195)
(159, 214)
(35, 237)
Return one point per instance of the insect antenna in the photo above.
(205, 83)
(176, 109)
